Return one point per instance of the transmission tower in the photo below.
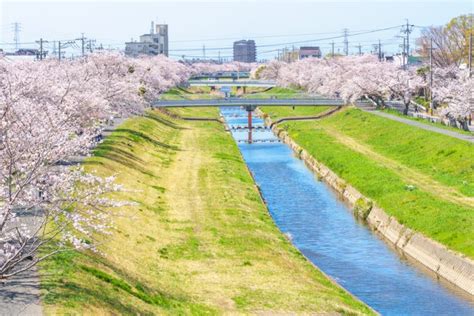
(16, 27)
(346, 41)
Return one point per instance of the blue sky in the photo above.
(215, 24)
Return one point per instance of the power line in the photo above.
(257, 37)
(292, 43)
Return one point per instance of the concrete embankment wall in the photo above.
(447, 264)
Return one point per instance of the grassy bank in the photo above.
(198, 241)
(277, 92)
(424, 179)
(277, 112)
(190, 93)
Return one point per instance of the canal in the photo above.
(323, 228)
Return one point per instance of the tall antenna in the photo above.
(346, 41)
(16, 27)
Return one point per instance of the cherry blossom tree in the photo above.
(349, 78)
(454, 91)
(51, 112)
(403, 85)
(203, 67)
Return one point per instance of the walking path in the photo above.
(20, 295)
(469, 138)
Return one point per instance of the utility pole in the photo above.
(82, 39)
(431, 76)
(360, 49)
(203, 51)
(470, 55)
(59, 51)
(346, 42)
(404, 54)
(16, 33)
(380, 51)
(41, 52)
(41, 49)
(332, 49)
(407, 30)
(54, 48)
(403, 47)
(91, 45)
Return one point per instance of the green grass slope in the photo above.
(198, 241)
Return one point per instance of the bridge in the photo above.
(255, 102)
(251, 104)
(233, 83)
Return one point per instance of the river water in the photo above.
(323, 228)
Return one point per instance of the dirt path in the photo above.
(410, 175)
(182, 179)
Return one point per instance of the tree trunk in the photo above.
(405, 110)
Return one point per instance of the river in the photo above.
(323, 228)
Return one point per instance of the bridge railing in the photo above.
(257, 102)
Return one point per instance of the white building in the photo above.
(154, 43)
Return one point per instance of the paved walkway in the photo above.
(20, 295)
(469, 138)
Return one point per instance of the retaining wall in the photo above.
(452, 266)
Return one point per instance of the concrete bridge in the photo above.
(254, 102)
(232, 83)
(251, 104)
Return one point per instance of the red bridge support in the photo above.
(250, 126)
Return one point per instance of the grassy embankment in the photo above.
(277, 112)
(199, 240)
(191, 93)
(276, 92)
(424, 179)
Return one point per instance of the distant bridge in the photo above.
(233, 83)
(254, 102)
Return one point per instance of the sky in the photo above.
(274, 24)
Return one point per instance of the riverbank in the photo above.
(409, 189)
(199, 240)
